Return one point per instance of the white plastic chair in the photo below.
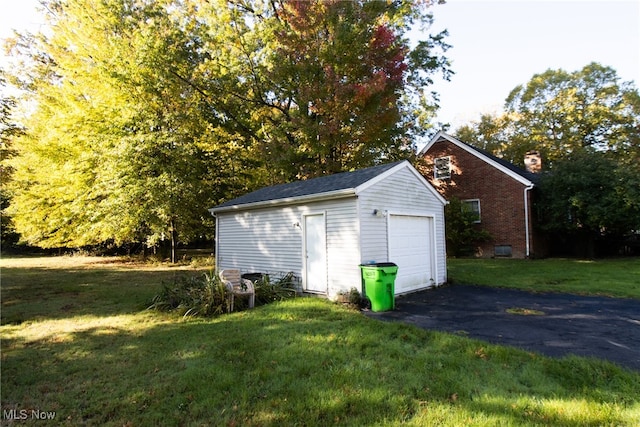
(237, 286)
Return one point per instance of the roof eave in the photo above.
(329, 195)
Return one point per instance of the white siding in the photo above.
(343, 252)
(270, 240)
(401, 192)
(264, 240)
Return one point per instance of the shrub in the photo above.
(268, 290)
(462, 233)
(203, 295)
(206, 294)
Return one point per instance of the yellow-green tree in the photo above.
(143, 114)
(120, 147)
(9, 130)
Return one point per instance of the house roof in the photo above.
(519, 174)
(332, 186)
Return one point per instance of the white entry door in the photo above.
(411, 248)
(315, 253)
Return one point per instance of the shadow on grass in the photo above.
(303, 362)
(43, 293)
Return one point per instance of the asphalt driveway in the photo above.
(553, 324)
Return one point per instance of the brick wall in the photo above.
(501, 197)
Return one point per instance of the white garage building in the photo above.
(322, 229)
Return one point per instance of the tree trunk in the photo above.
(173, 241)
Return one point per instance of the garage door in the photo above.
(410, 247)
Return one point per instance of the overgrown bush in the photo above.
(269, 290)
(206, 294)
(203, 295)
(463, 235)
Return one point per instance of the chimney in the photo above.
(533, 161)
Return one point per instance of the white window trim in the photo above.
(469, 201)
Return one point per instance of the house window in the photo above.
(442, 168)
(472, 205)
(502, 250)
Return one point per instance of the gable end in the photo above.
(404, 165)
(485, 157)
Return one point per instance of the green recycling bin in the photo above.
(379, 284)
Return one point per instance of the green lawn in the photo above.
(617, 277)
(76, 341)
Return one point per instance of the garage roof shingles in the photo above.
(320, 185)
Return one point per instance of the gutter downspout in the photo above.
(526, 219)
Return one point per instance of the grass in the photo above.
(524, 311)
(76, 341)
(618, 277)
(57, 287)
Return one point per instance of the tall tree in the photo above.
(9, 130)
(148, 112)
(590, 196)
(118, 148)
(586, 124)
(332, 84)
(559, 113)
(344, 67)
(489, 134)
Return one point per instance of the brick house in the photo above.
(500, 193)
